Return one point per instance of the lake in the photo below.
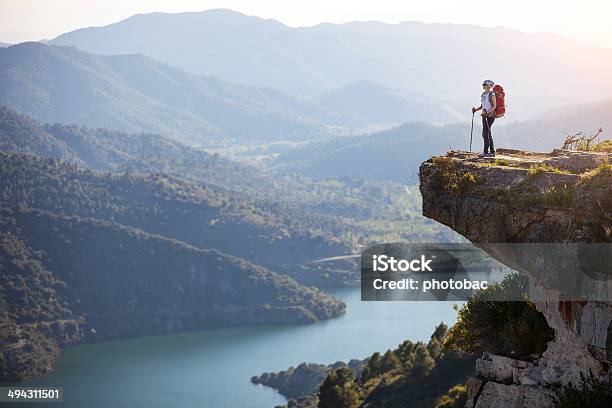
(212, 368)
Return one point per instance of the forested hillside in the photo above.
(412, 374)
(394, 154)
(108, 150)
(174, 208)
(388, 155)
(68, 279)
(356, 210)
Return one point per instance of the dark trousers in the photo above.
(487, 122)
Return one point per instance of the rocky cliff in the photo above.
(548, 216)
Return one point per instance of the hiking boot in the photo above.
(483, 154)
(492, 154)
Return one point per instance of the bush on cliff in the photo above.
(591, 393)
(449, 178)
(601, 177)
(603, 146)
(456, 397)
(511, 328)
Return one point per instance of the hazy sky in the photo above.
(585, 20)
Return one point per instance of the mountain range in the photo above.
(549, 129)
(203, 214)
(114, 220)
(394, 154)
(539, 71)
(135, 93)
(388, 155)
(245, 209)
(372, 103)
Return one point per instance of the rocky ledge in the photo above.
(513, 206)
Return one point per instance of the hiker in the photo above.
(488, 105)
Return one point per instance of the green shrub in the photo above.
(502, 162)
(540, 168)
(528, 192)
(559, 196)
(467, 181)
(450, 178)
(456, 397)
(603, 146)
(591, 393)
(601, 177)
(511, 328)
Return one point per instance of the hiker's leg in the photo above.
(485, 134)
(490, 121)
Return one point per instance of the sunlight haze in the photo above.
(587, 21)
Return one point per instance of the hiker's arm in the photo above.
(476, 109)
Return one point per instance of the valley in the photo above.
(185, 198)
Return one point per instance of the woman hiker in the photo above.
(487, 105)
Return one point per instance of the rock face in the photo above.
(520, 197)
(514, 206)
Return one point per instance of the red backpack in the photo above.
(500, 97)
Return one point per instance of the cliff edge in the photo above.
(548, 216)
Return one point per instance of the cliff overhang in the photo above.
(515, 207)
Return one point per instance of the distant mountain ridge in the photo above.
(388, 155)
(370, 102)
(121, 152)
(437, 60)
(394, 154)
(106, 150)
(548, 130)
(308, 219)
(135, 93)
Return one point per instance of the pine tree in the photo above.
(440, 332)
(405, 353)
(423, 363)
(372, 367)
(435, 348)
(390, 362)
(339, 390)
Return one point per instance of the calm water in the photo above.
(212, 368)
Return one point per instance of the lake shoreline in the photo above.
(184, 369)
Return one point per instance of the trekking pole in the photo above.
(471, 132)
